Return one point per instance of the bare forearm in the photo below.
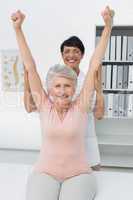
(24, 50)
(101, 48)
(29, 103)
(99, 107)
(97, 56)
(28, 99)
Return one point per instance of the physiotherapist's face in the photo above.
(72, 57)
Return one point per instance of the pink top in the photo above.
(63, 152)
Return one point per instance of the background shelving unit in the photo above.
(115, 133)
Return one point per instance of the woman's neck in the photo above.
(62, 109)
(77, 70)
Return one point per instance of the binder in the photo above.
(124, 48)
(110, 105)
(125, 77)
(112, 48)
(130, 78)
(103, 76)
(106, 105)
(121, 105)
(130, 105)
(118, 48)
(125, 105)
(119, 76)
(130, 48)
(108, 76)
(107, 53)
(115, 105)
(114, 77)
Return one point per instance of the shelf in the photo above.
(110, 62)
(117, 30)
(115, 133)
(117, 90)
(117, 140)
(117, 161)
(119, 118)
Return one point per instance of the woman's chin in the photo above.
(64, 102)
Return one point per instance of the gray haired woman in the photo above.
(62, 171)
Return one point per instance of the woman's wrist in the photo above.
(18, 29)
(108, 28)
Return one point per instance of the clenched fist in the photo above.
(108, 15)
(17, 19)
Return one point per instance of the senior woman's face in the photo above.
(62, 89)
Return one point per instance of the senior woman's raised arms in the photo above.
(37, 90)
(96, 60)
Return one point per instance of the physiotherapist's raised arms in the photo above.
(96, 60)
(36, 87)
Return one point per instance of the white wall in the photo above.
(47, 24)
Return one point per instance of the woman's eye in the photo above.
(57, 86)
(66, 52)
(77, 52)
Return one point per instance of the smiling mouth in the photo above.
(63, 97)
(71, 61)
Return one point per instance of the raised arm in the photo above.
(99, 105)
(36, 87)
(96, 60)
(29, 103)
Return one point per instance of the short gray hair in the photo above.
(60, 71)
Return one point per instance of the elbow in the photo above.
(28, 109)
(31, 109)
(99, 114)
(99, 117)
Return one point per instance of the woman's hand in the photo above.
(108, 15)
(17, 19)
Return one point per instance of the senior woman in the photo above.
(61, 171)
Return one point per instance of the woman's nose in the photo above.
(71, 55)
(62, 90)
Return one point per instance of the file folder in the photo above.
(106, 105)
(130, 105)
(130, 78)
(113, 48)
(119, 76)
(124, 48)
(118, 48)
(114, 77)
(125, 77)
(121, 105)
(108, 76)
(130, 49)
(115, 105)
(110, 105)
